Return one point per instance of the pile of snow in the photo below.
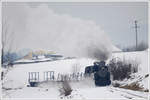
(32, 60)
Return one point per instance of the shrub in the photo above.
(66, 88)
(122, 69)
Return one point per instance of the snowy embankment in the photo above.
(140, 58)
(16, 80)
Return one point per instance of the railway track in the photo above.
(129, 94)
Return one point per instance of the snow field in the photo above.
(17, 80)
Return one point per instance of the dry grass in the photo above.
(66, 88)
(133, 86)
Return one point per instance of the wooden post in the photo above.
(38, 76)
(29, 76)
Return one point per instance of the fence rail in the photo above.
(33, 77)
(51, 76)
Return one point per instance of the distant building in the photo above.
(28, 56)
(40, 54)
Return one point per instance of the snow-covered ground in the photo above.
(16, 80)
(140, 58)
(30, 60)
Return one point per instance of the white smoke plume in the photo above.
(48, 30)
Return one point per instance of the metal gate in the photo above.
(49, 75)
(33, 77)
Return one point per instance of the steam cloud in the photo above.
(99, 53)
(62, 33)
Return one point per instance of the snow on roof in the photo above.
(115, 49)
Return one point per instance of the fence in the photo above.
(70, 77)
(51, 76)
(33, 77)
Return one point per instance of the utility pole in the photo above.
(136, 32)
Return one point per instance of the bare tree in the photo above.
(7, 41)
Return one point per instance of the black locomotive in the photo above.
(101, 73)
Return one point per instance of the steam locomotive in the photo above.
(101, 73)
